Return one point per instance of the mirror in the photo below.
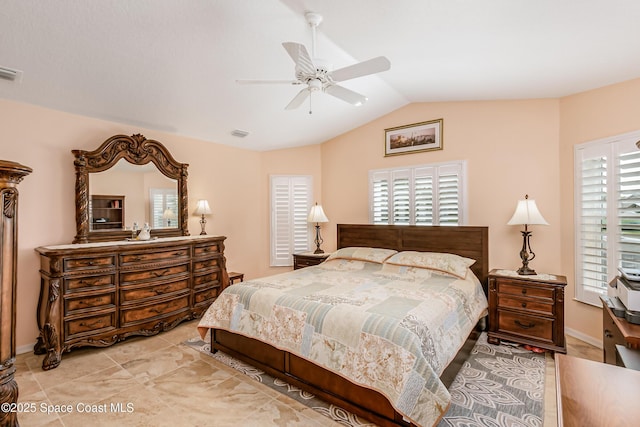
(128, 196)
(125, 183)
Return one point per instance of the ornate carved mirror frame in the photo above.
(138, 150)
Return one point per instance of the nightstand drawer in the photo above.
(523, 290)
(525, 304)
(526, 326)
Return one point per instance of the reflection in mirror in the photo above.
(128, 196)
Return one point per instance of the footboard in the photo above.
(330, 387)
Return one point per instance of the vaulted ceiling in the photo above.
(172, 65)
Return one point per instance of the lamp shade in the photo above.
(527, 213)
(316, 214)
(168, 214)
(202, 208)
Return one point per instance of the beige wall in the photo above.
(584, 117)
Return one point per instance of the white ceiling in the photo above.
(171, 65)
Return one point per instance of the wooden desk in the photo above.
(596, 394)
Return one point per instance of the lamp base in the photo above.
(526, 271)
(318, 251)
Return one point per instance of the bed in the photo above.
(389, 367)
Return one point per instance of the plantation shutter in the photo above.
(593, 222)
(422, 195)
(401, 196)
(449, 195)
(379, 184)
(607, 197)
(628, 205)
(290, 204)
(162, 199)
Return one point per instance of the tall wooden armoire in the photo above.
(11, 174)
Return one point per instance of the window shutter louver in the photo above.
(401, 191)
(449, 198)
(380, 198)
(424, 196)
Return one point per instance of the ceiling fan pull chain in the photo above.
(310, 112)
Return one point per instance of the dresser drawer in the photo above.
(207, 296)
(539, 328)
(89, 262)
(173, 254)
(139, 314)
(90, 324)
(89, 282)
(168, 272)
(137, 294)
(524, 290)
(208, 279)
(82, 304)
(207, 263)
(533, 305)
(203, 250)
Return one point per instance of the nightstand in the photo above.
(308, 259)
(527, 309)
(233, 276)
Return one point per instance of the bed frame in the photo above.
(470, 242)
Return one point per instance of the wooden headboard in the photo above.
(466, 241)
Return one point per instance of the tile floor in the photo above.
(158, 381)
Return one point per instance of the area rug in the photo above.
(497, 386)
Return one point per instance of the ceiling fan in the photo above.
(316, 76)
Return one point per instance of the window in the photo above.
(163, 208)
(420, 195)
(607, 198)
(290, 204)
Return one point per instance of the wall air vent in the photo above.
(239, 133)
(11, 75)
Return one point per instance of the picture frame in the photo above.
(413, 138)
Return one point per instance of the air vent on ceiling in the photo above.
(239, 133)
(9, 74)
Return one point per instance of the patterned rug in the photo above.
(497, 386)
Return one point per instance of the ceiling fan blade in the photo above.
(300, 56)
(298, 99)
(363, 68)
(346, 94)
(268, 82)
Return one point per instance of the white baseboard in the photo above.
(583, 337)
(28, 348)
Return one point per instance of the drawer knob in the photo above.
(524, 305)
(522, 325)
(524, 292)
(608, 334)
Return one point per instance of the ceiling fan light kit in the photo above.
(316, 74)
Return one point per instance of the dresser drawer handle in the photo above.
(161, 273)
(181, 253)
(162, 290)
(524, 305)
(96, 324)
(608, 334)
(89, 282)
(136, 258)
(524, 292)
(522, 325)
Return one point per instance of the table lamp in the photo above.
(316, 214)
(202, 208)
(526, 214)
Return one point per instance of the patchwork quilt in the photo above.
(388, 327)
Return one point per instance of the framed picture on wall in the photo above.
(413, 138)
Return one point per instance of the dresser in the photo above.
(96, 294)
(527, 309)
(308, 259)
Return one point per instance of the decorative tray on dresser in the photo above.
(527, 309)
(96, 294)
